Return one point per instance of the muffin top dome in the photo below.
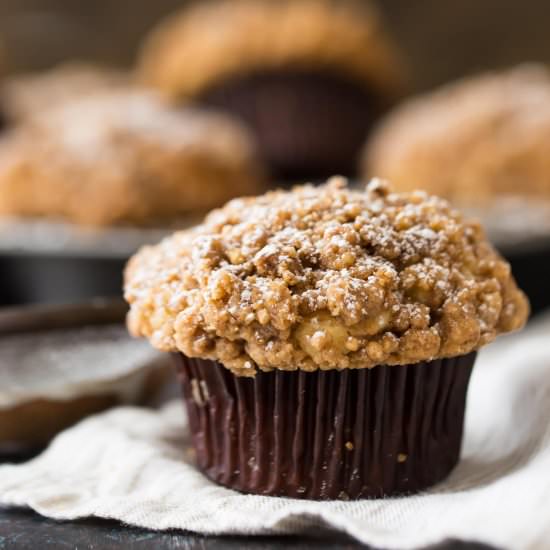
(212, 41)
(31, 94)
(3, 116)
(324, 278)
(124, 157)
(470, 142)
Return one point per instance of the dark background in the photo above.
(442, 39)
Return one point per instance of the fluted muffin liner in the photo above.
(350, 434)
(307, 124)
(3, 120)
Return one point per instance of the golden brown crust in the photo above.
(472, 141)
(324, 278)
(210, 41)
(3, 115)
(124, 157)
(31, 94)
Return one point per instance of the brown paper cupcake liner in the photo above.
(307, 125)
(348, 434)
(3, 121)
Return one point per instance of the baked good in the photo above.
(474, 142)
(308, 76)
(482, 143)
(3, 117)
(124, 157)
(330, 332)
(30, 94)
(60, 364)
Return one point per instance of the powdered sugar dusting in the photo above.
(124, 157)
(325, 278)
(473, 141)
(87, 127)
(63, 364)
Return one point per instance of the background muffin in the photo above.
(335, 280)
(308, 76)
(60, 364)
(31, 94)
(474, 141)
(483, 144)
(3, 117)
(124, 157)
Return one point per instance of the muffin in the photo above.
(474, 141)
(482, 143)
(124, 157)
(60, 364)
(325, 336)
(30, 94)
(309, 77)
(3, 117)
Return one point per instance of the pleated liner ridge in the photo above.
(306, 124)
(349, 434)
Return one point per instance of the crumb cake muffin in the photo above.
(308, 76)
(30, 94)
(60, 364)
(472, 142)
(325, 336)
(124, 157)
(3, 117)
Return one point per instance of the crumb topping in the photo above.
(210, 41)
(124, 157)
(30, 94)
(473, 141)
(324, 278)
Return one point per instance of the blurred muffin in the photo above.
(473, 142)
(124, 157)
(3, 116)
(32, 94)
(331, 332)
(61, 364)
(308, 76)
(482, 143)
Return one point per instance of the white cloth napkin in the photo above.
(134, 465)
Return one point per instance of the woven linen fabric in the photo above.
(135, 465)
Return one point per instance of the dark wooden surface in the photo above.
(21, 529)
(24, 530)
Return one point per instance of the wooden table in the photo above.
(25, 530)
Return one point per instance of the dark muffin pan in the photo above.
(58, 279)
(531, 269)
(56, 263)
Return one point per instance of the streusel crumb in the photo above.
(472, 142)
(324, 278)
(32, 94)
(124, 157)
(208, 42)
